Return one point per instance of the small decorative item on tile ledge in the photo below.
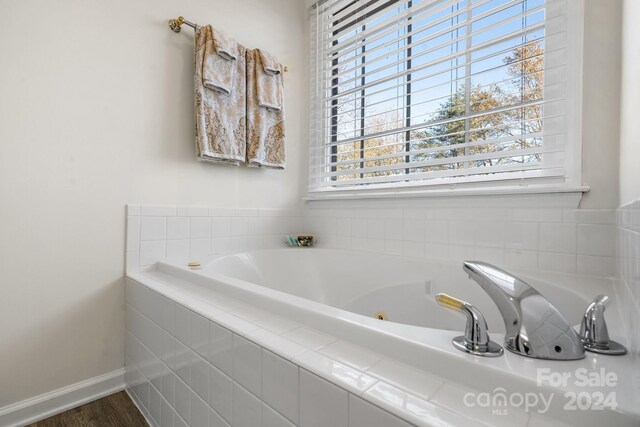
(300, 240)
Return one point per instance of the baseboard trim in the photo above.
(60, 400)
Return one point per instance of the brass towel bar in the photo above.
(176, 26)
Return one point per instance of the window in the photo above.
(440, 94)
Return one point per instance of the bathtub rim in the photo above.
(509, 369)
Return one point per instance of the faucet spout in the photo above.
(533, 326)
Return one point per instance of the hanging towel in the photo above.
(220, 54)
(269, 81)
(270, 64)
(220, 117)
(225, 46)
(265, 127)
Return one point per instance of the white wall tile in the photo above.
(215, 420)
(557, 237)
(536, 215)
(178, 228)
(158, 210)
(239, 244)
(596, 265)
(239, 226)
(461, 252)
(168, 387)
(596, 239)
(247, 364)
(521, 235)
(254, 226)
(155, 404)
(271, 418)
(153, 228)
(362, 413)
(393, 229)
(451, 396)
(220, 245)
(414, 230)
(199, 376)
(221, 212)
(221, 226)
(394, 247)
(490, 255)
(199, 412)
(375, 228)
(199, 334)
(413, 249)
(192, 211)
(421, 383)
(590, 216)
(343, 227)
(436, 250)
(152, 251)
(221, 350)
(358, 244)
(349, 354)
(167, 415)
(345, 376)
(200, 227)
(280, 385)
(200, 248)
(178, 421)
(133, 210)
(490, 233)
(461, 232)
(168, 354)
(133, 234)
(220, 393)
(518, 258)
(565, 263)
(322, 404)
(168, 315)
(375, 245)
(183, 400)
(359, 228)
(132, 261)
(184, 358)
(309, 338)
(182, 324)
(178, 248)
(247, 409)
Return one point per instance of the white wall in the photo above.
(96, 111)
(630, 104)
(601, 102)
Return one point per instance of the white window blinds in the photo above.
(437, 92)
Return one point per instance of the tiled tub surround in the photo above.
(156, 232)
(549, 238)
(198, 354)
(628, 261)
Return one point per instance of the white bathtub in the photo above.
(367, 284)
(339, 292)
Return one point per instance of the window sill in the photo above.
(408, 193)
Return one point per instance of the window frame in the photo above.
(572, 148)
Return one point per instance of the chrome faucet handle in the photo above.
(476, 338)
(533, 326)
(594, 332)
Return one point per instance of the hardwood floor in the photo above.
(116, 410)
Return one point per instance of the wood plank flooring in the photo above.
(116, 410)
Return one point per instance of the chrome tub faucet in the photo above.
(533, 326)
